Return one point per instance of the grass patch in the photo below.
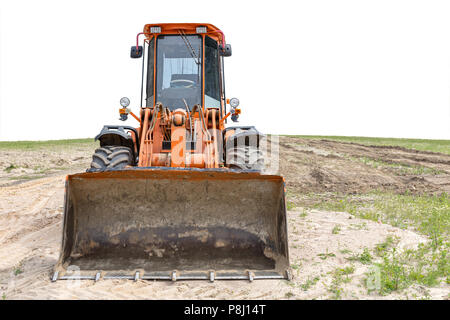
(428, 214)
(10, 167)
(17, 271)
(309, 283)
(326, 255)
(336, 229)
(382, 248)
(290, 205)
(303, 213)
(400, 169)
(365, 257)
(427, 265)
(359, 226)
(345, 251)
(32, 145)
(340, 276)
(442, 146)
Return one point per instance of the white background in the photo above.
(361, 68)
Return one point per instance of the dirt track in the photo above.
(330, 166)
(31, 215)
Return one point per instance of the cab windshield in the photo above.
(179, 70)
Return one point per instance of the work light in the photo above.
(234, 102)
(124, 102)
(155, 29)
(201, 29)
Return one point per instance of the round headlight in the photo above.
(124, 102)
(234, 102)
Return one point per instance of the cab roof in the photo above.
(188, 28)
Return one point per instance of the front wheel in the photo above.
(245, 158)
(111, 157)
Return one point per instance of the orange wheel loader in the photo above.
(182, 196)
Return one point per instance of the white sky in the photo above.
(360, 68)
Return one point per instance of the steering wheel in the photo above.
(187, 83)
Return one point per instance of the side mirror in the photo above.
(136, 52)
(226, 51)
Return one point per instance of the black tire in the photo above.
(111, 157)
(245, 158)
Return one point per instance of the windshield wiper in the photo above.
(189, 46)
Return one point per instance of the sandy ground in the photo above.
(31, 215)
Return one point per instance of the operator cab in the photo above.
(183, 66)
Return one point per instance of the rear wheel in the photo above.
(111, 157)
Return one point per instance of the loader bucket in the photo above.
(174, 224)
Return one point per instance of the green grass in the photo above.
(290, 205)
(304, 213)
(336, 229)
(442, 146)
(427, 265)
(365, 257)
(10, 167)
(32, 145)
(428, 214)
(345, 251)
(400, 169)
(17, 271)
(382, 248)
(340, 276)
(326, 255)
(310, 282)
